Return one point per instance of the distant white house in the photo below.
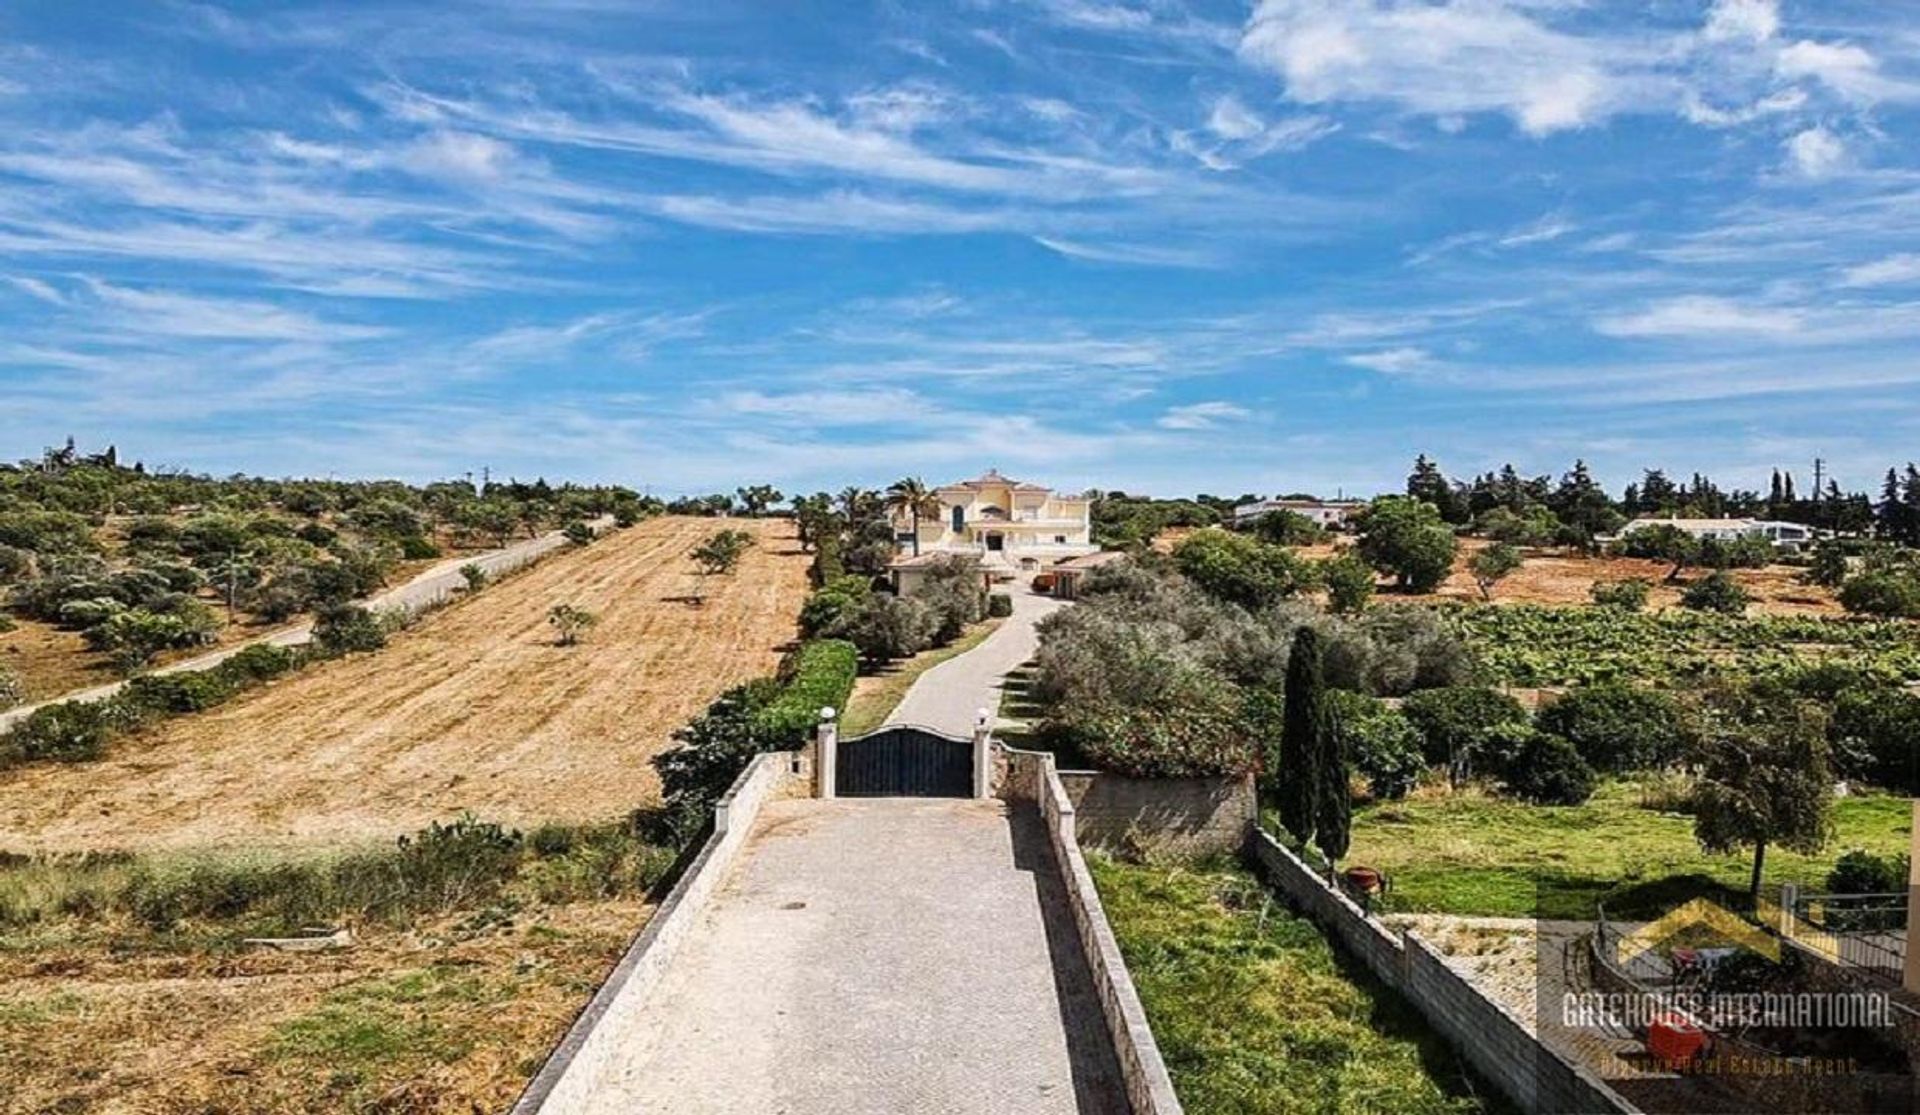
(1785, 536)
(1330, 514)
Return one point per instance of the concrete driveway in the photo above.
(878, 957)
(947, 697)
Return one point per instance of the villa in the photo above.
(1784, 536)
(1330, 514)
(1008, 525)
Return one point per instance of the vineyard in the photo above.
(1534, 646)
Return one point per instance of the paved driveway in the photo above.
(947, 697)
(878, 957)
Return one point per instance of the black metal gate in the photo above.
(904, 762)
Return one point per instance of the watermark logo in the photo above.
(1700, 916)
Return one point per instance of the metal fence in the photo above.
(1861, 931)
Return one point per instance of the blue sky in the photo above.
(1149, 244)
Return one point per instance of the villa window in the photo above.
(959, 517)
(1060, 539)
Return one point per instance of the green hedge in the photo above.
(818, 675)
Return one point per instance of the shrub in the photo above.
(1629, 595)
(571, 622)
(69, 732)
(579, 533)
(46, 532)
(1715, 592)
(887, 627)
(1541, 767)
(1380, 742)
(999, 605)
(820, 674)
(1745, 552)
(824, 612)
(134, 636)
(709, 753)
(1349, 583)
(1829, 564)
(1193, 727)
(1893, 594)
(1862, 872)
(16, 564)
(183, 692)
(1875, 732)
(474, 575)
(1619, 727)
(1454, 723)
(259, 662)
(348, 629)
(1288, 528)
(1241, 570)
(413, 547)
(12, 692)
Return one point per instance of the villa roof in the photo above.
(992, 478)
(1089, 561)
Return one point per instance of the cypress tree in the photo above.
(1298, 779)
(1333, 821)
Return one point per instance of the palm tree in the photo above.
(912, 497)
(857, 503)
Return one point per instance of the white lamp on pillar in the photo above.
(982, 754)
(827, 747)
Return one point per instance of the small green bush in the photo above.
(187, 691)
(1618, 727)
(999, 605)
(1453, 722)
(69, 732)
(415, 548)
(824, 611)
(1894, 594)
(820, 674)
(1862, 872)
(348, 629)
(1715, 592)
(1541, 767)
(1875, 732)
(474, 575)
(260, 662)
(1379, 741)
(1629, 595)
(579, 533)
(12, 692)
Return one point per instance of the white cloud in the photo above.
(1232, 120)
(461, 156)
(1392, 361)
(1846, 69)
(1451, 59)
(1143, 254)
(45, 292)
(1202, 416)
(172, 314)
(1901, 268)
(1755, 20)
(1701, 316)
(1816, 152)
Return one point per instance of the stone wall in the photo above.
(577, 1066)
(1162, 818)
(1149, 1088)
(1531, 1074)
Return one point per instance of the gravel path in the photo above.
(878, 957)
(949, 696)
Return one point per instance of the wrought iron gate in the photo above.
(904, 762)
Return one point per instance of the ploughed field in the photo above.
(475, 708)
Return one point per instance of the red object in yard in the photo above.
(1674, 1041)
(1363, 880)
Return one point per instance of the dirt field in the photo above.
(474, 709)
(1555, 577)
(448, 1018)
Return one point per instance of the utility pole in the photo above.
(1819, 470)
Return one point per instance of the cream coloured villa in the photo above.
(1006, 524)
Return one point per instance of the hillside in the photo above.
(475, 708)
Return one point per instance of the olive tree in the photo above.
(1406, 538)
(1764, 776)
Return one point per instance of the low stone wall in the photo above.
(1530, 1073)
(1149, 1088)
(579, 1063)
(1162, 818)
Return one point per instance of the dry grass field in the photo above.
(447, 1017)
(473, 709)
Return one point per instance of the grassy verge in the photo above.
(124, 980)
(1255, 1012)
(875, 697)
(1468, 853)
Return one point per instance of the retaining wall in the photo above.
(1529, 1072)
(1155, 818)
(1149, 1088)
(581, 1061)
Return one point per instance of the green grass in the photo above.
(871, 705)
(1255, 1013)
(378, 1029)
(1473, 854)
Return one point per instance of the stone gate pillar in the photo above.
(1910, 972)
(826, 744)
(982, 754)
